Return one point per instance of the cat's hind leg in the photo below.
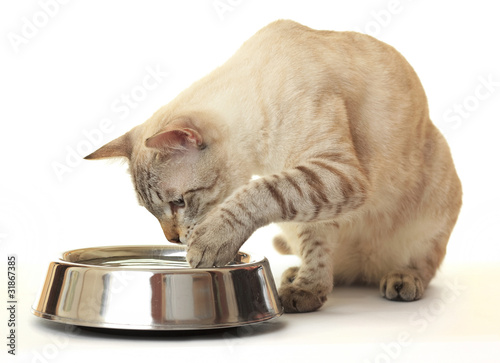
(409, 284)
(402, 285)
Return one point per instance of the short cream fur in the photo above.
(337, 124)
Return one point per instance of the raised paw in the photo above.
(207, 249)
(206, 255)
(401, 286)
(299, 300)
(216, 240)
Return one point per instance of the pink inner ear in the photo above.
(177, 139)
(193, 136)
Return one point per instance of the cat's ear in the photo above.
(119, 147)
(176, 139)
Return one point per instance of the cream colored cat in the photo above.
(352, 168)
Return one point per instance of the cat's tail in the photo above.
(281, 245)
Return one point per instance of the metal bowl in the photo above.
(154, 288)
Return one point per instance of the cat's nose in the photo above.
(172, 234)
(172, 237)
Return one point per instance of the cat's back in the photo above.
(288, 43)
(285, 59)
(286, 55)
(292, 64)
(384, 99)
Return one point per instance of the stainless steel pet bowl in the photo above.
(154, 288)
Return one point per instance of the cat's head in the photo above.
(180, 171)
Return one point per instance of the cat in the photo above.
(337, 126)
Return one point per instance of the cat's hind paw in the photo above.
(401, 286)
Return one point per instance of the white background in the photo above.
(66, 67)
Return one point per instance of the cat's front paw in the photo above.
(214, 242)
(289, 276)
(206, 254)
(297, 299)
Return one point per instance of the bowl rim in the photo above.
(254, 260)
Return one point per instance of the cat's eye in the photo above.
(178, 202)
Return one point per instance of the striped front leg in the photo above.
(305, 288)
(320, 189)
